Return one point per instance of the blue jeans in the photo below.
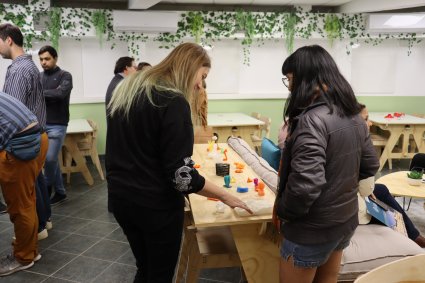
(56, 134)
(309, 256)
(44, 211)
(381, 192)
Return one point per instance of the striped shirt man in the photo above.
(14, 117)
(23, 82)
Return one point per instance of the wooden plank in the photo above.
(259, 256)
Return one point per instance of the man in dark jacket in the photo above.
(57, 86)
(123, 67)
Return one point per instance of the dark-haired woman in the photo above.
(327, 152)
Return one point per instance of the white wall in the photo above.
(372, 70)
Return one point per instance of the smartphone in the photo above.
(380, 203)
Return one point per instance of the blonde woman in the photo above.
(148, 159)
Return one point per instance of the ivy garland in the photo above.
(333, 28)
(99, 21)
(54, 26)
(289, 30)
(196, 25)
(203, 26)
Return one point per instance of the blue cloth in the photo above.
(14, 117)
(271, 153)
(52, 172)
(44, 211)
(307, 256)
(382, 193)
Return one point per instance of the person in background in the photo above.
(149, 168)
(17, 180)
(23, 82)
(57, 86)
(143, 66)
(327, 151)
(382, 193)
(11, 41)
(123, 67)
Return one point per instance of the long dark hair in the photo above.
(316, 77)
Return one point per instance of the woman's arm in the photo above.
(213, 191)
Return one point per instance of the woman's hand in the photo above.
(212, 191)
(233, 202)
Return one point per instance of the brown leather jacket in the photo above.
(323, 160)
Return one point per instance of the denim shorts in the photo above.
(308, 256)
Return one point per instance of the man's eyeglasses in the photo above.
(285, 81)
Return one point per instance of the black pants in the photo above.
(154, 237)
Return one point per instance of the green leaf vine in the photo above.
(54, 26)
(99, 20)
(289, 29)
(333, 28)
(196, 25)
(203, 26)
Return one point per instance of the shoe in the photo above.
(49, 224)
(43, 234)
(3, 208)
(57, 199)
(37, 257)
(9, 265)
(420, 240)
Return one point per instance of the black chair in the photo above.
(417, 164)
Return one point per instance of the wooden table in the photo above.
(234, 124)
(397, 185)
(405, 126)
(77, 129)
(259, 256)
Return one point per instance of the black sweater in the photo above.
(57, 86)
(148, 155)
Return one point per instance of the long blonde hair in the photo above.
(176, 73)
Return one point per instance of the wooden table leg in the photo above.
(71, 143)
(395, 133)
(418, 135)
(259, 256)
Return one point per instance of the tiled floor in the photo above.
(87, 245)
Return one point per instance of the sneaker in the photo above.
(49, 224)
(43, 234)
(3, 208)
(37, 257)
(9, 265)
(57, 199)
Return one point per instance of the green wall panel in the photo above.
(272, 108)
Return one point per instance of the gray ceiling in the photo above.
(252, 5)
